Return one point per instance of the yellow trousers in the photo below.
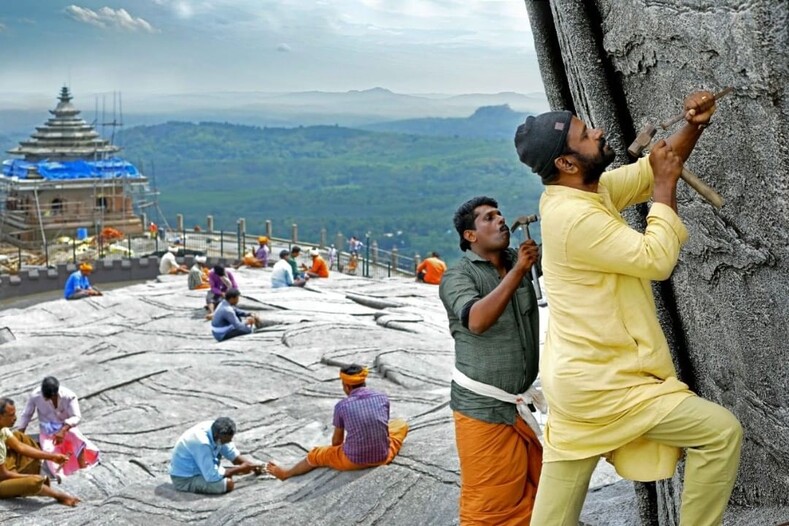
(712, 438)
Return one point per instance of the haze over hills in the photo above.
(20, 113)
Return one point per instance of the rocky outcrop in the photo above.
(146, 367)
(619, 64)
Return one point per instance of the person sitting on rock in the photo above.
(282, 273)
(319, 268)
(194, 465)
(295, 251)
(227, 323)
(353, 262)
(78, 285)
(363, 435)
(20, 462)
(58, 418)
(198, 275)
(431, 270)
(220, 280)
(259, 256)
(168, 264)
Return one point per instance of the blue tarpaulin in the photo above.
(112, 168)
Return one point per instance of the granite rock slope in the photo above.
(146, 367)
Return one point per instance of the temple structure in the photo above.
(68, 181)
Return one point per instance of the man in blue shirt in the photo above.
(78, 286)
(227, 323)
(194, 466)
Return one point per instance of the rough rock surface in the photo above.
(146, 367)
(620, 64)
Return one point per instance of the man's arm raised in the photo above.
(486, 311)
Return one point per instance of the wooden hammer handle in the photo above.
(703, 189)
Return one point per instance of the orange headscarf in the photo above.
(354, 379)
(85, 266)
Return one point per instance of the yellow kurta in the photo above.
(606, 369)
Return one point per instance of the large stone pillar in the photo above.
(620, 64)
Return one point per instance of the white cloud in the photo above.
(284, 48)
(108, 18)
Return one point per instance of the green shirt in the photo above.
(294, 266)
(507, 354)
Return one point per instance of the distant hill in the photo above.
(342, 179)
(20, 112)
(491, 122)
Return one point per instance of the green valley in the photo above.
(403, 189)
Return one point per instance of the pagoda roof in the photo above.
(64, 137)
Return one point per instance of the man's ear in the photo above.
(565, 163)
(470, 236)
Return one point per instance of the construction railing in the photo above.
(369, 261)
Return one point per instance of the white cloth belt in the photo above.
(533, 395)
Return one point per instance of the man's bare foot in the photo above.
(277, 471)
(68, 500)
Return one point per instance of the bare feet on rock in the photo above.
(68, 500)
(276, 470)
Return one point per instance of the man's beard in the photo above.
(595, 166)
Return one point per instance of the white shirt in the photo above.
(67, 411)
(167, 263)
(281, 275)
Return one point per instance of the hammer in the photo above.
(523, 222)
(676, 118)
(644, 141)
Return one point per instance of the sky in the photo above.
(195, 46)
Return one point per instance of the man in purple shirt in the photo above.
(220, 280)
(363, 435)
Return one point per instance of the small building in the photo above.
(69, 181)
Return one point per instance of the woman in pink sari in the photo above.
(59, 416)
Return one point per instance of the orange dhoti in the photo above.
(252, 261)
(500, 466)
(334, 457)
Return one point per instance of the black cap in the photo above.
(541, 139)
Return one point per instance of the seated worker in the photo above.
(168, 264)
(78, 285)
(198, 275)
(220, 280)
(282, 273)
(363, 435)
(259, 257)
(353, 262)
(227, 323)
(58, 418)
(194, 466)
(294, 263)
(20, 462)
(431, 270)
(319, 268)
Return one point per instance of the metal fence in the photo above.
(369, 262)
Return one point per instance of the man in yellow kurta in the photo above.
(606, 368)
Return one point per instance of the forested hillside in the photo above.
(403, 189)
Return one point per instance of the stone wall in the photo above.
(622, 63)
(37, 280)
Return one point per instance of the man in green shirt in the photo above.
(493, 318)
